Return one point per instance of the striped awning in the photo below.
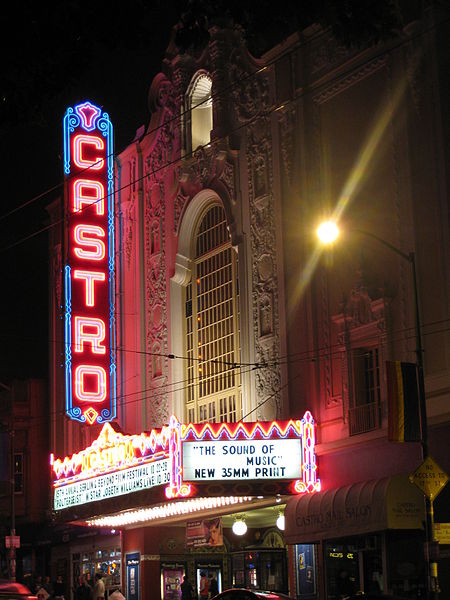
(356, 509)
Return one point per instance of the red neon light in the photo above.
(90, 383)
(90, 277)
(90, 331)
(97, 247)
(88, 193)
(96, 163)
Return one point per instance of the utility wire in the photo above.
(219, 93)
(169, 387)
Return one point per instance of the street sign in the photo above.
(442, 532)
(430, 478)
(12, 541)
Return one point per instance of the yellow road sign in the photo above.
(430, 478)
(442, 532)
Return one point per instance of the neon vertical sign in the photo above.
(90, 353)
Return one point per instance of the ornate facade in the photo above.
(309, 130)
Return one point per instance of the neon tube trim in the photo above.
(90, 364)
(113, 451)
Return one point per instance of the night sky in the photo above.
(45, 73)
(58, 53)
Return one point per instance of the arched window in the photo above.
(212, 344)
(201, 110)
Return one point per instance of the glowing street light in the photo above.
(327, 232)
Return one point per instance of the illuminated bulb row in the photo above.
(167, 510)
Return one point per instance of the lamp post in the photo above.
(327, 233)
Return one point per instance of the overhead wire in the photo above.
(393, 46)
(162, 390)
(259, 115)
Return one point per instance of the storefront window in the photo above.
(106, 561)
(261, 569)
(305, 560)
(342, 569)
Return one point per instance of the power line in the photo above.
(218, 94)
(169, 387)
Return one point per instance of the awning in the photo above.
(356, 509)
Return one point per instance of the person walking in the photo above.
(59, 589)
(204, 586)
(83, 591)
(99, 587)
(213, 586)
(187, 589)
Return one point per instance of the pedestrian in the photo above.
(99, 587)
(48, 587)
(83, 591)
(59, 588)
(37, 584)
(213, 587)
(187, 589)
(204, 586)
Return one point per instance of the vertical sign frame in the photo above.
(90, 344)
(133, 566)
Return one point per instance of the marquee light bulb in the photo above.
(239, 527)
(281, 522)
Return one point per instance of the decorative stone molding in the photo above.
(129, 227)
(325, 340)
(178, 207)
(249, 91)
(287, 126)
(415, 73)
(355, 77)
(326, 53)
(264, 275)
(162, 99)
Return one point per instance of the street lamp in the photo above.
(328, 232)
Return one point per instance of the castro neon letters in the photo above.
(90, 361)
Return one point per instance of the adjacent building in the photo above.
(24, 495)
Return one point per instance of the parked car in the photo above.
(245, 594)
(10, 590)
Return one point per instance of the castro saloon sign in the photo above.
(90, 361)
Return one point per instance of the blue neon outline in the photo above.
(103, 124)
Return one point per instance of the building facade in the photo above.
(227, 310)
(24, 498)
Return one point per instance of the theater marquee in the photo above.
(185, 458)
(90, 353)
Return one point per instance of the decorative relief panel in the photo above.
(326, 53)
(129, 229)
(251, 96)
(325, 340)
(156, 165)
(178, 206)
(265, 315)
(264, 274)
(287, 122)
